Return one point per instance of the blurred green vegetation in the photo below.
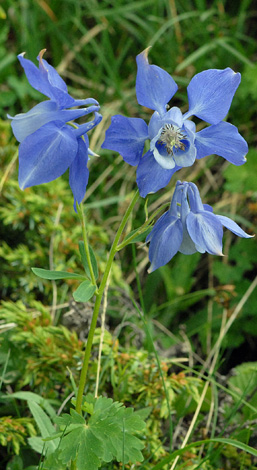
(93, 45)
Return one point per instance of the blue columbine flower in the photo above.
(174, 142)
(188, 226)
(48, 145)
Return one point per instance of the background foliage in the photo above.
(93, 46)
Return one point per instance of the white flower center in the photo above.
(172, 136)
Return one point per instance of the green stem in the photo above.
(99, 296)
(84, 233)
(143, 227)
(73, 465)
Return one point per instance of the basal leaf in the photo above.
(37, 444)
(33, 397)
(70, 443)
(87, 457)
(144, 412)
(103, 437)
(81, 444)
(63, 421)
(52, 462)
(134, 422)
(54, 275)
(43, 421)
(46, 428)
(84, 292)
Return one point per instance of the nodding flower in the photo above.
(49, 142)
(187, 227)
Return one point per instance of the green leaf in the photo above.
(54, 275)
(52, 462)
(84, 292)
(107, 201)
(245, 377)
(144, 412)
(37, 444)
(223, 42)
(15, 464)
(33, 397)
(84, 259)
(102, 437)
(231, 442)
(141, 236)
(46, 428)
(244, 383)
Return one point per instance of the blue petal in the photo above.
(187, 246)
(82, 129)
(25, 124)
(206, 231)
(190, 125)
(84, 102)
(194, 197)
(207, 207)
(166, 160)
(164, 217)
(79, 173)
(176, 200)
(173, 116)
(46, 81)
(127, 136)
(165, 240)
(151, 176)
(210, 94)
(186, 157)
(231, 225)
(163, 158)
(224, 140)
(46, 154)
(154, 86)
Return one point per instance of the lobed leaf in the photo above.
(107, 435)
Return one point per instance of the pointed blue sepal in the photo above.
(154, 86)
(210, 94)
(78, 172)
(126, 136)
(46, 154)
